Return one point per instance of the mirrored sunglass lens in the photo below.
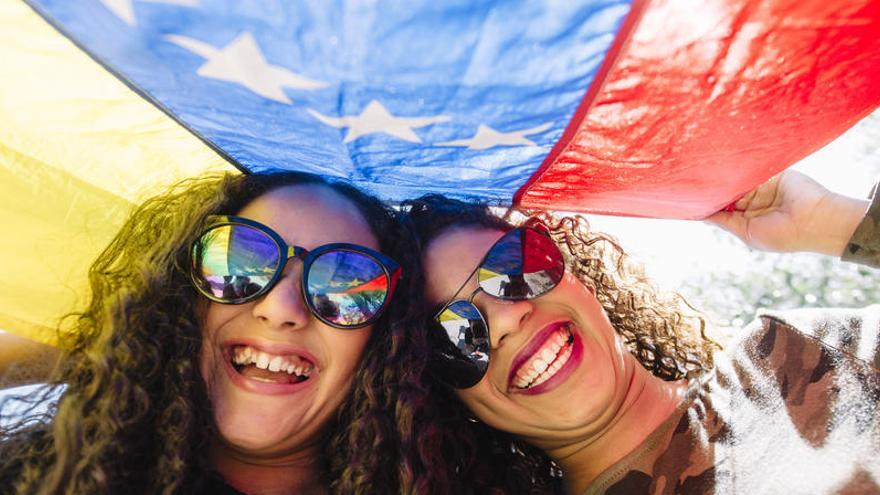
(235, 261)
(463, 350)
(523, 264)
(346, 288)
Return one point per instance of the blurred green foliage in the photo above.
(780, 281)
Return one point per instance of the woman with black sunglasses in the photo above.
(570, 372)
(241, 337)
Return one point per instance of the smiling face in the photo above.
(275, 374)
(557, 368)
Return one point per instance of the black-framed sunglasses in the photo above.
(237, 260)
(523, 264)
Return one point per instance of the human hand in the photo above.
(792, 212)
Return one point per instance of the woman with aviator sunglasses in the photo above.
(571, 373)
(241, 337)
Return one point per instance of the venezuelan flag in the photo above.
(659, 108)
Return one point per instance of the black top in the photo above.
(216, 486)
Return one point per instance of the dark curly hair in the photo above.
(663, 332)
(133, 414)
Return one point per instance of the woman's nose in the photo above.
(505, 318)
(283, 307)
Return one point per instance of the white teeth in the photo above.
(539, 365)
(560, 361)
(546, 363)
(275, 364)
(262, 360)
(238, 358)
(245, 355)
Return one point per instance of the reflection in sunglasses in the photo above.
(345, 285)
(523, 264)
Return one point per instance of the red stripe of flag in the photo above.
(699, 101)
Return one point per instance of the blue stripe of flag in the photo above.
(390, 95)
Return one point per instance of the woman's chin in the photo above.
(255, 434)
(254, 443)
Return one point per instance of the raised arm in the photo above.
(792, 212)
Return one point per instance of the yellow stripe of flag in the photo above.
(77, 149)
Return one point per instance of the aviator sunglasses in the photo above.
(523, 264)
(237, 260)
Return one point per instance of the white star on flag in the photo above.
(487, 137)
(242, 62)
(375, 118)
(125, 10)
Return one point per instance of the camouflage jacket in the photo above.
(792, 407)
(864, 245)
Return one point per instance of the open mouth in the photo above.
(265, 367)
(547, 360)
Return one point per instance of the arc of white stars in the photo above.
(376, 118)
(242, 62)
(124, 9)
(487, 137)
